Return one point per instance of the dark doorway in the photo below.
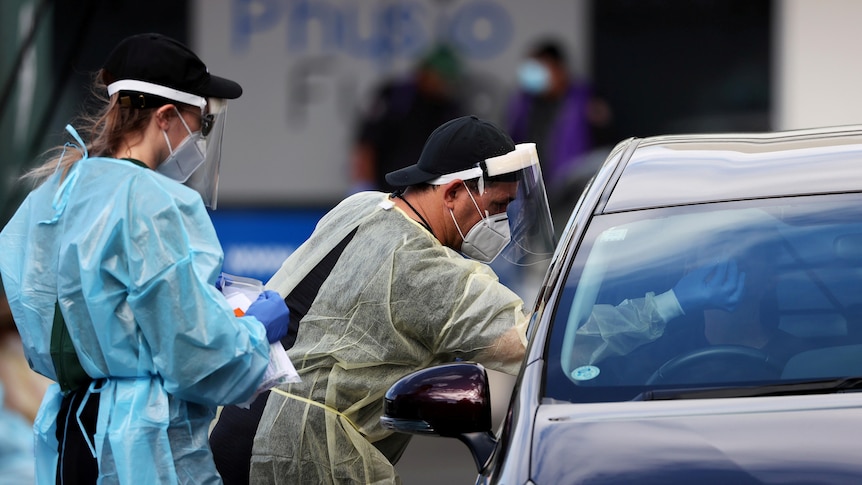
(688, 66)
(85, 32)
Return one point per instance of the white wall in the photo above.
(305, 75)
(818, 72)
(282, 148)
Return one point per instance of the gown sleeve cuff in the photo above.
(667, 306)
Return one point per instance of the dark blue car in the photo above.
(701, 322)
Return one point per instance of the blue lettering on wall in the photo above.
(378, 31)
(252, 16)
(302, 15)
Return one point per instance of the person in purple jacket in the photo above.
(559, 112)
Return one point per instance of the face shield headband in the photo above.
(531, 231)
(133, 85)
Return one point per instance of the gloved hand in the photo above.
(271, 310)
(716, 286)
(222, 281)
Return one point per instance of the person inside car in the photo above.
(727, 297)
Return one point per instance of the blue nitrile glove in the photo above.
(273, 313)
(717, 286)
(222, 281)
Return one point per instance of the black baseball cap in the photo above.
(456, 145)
(157, 59)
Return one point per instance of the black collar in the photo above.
(136, 162)
(424, 223)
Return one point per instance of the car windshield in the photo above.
(764, 292)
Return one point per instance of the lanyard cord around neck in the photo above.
(423, 221)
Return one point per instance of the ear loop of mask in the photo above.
(165, 133)
(456, 224)
(475, 204)
(481, 191)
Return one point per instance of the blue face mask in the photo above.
(534, 77)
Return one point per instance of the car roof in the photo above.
(690, 169)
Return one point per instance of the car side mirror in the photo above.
(450, 400)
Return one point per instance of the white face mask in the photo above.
(487, 238)
(188, 156)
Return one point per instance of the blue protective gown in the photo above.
(132, 258)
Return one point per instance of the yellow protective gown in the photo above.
(395, 302)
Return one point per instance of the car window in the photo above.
(753, 292)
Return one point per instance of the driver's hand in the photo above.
(716, 286)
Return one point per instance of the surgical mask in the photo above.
(188, 156)
(534, 77)
(487, 238)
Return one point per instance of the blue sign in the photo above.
(257, 241)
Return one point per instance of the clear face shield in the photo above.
(204, 178)
(532, 232)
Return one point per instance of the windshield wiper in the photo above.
(821, 386)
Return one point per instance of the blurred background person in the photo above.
(564, 116)
(403, 112)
